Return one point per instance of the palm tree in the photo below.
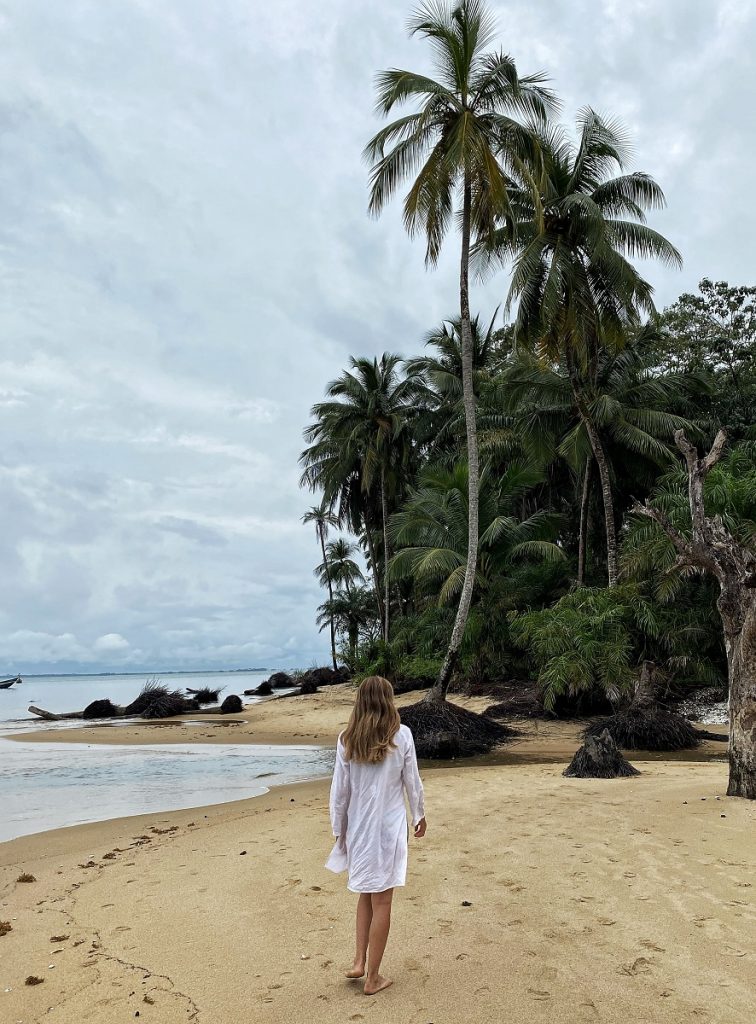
(439, 375)
(463, 123)
(361, 446)
(630, 403)
(570, 249)
(354, 612)
(322, 516)
(430, 531)
(339, 567)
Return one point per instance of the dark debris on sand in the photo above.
(599, 758)
(443, 730)
(643, 727)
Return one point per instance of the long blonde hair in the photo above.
(373, 723)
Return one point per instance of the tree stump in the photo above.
(599, 758)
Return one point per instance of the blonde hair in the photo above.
(373, 723)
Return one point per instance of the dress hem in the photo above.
(395, 885)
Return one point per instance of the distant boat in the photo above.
(5, 684)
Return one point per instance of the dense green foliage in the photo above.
(576, 400)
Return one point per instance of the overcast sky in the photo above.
(187, 260)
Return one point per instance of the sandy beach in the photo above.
(533, 897)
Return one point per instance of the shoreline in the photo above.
(177, 916)
(225, 911)
(297, 720)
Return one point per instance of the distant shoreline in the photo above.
(146, 671)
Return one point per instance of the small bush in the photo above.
(5, 927)
(26, 877)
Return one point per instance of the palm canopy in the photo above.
(629, 400)
(570, 247)
(361, 431)
(431, 529)
(465, 131)
(339, 566)
(323, 517)
(439, 378)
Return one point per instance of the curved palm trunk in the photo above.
(602, 464)
(438, 692)
(386, 553)
(584, 506)
(330, 599)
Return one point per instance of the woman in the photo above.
(375, 766)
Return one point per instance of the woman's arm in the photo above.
(414, 788)
(340, 789)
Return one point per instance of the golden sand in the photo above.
(599, 901)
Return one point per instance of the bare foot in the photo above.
(356, 972)
(378, 985)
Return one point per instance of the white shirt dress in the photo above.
(369, 817)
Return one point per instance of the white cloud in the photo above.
(186, 260)
(111, 643)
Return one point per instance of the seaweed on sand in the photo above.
(445, 730)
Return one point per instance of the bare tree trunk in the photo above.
(605, 478)
(330, 599)
(386, 596)
(438, 691)
(584, 506)
(713, 548)
(739, 622)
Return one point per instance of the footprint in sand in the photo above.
(641, 965)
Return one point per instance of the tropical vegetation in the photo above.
(493, 491)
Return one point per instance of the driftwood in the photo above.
(50, 716)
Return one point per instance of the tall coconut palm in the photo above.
(465, 119)
(570, 249)
(629, 402)
(323, 517)
(339, 567)
(361, 438)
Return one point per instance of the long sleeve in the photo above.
(412, 783)
(340, 791)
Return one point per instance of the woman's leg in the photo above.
(364, 919)
(379, 930)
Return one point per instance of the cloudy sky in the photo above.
(187, 260)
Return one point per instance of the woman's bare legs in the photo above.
(377, 938)
(364, 919)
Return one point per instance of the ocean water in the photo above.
(73, 693)
(52, 785)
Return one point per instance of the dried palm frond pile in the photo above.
(443, 730)
(102, 709)
(647, 727)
